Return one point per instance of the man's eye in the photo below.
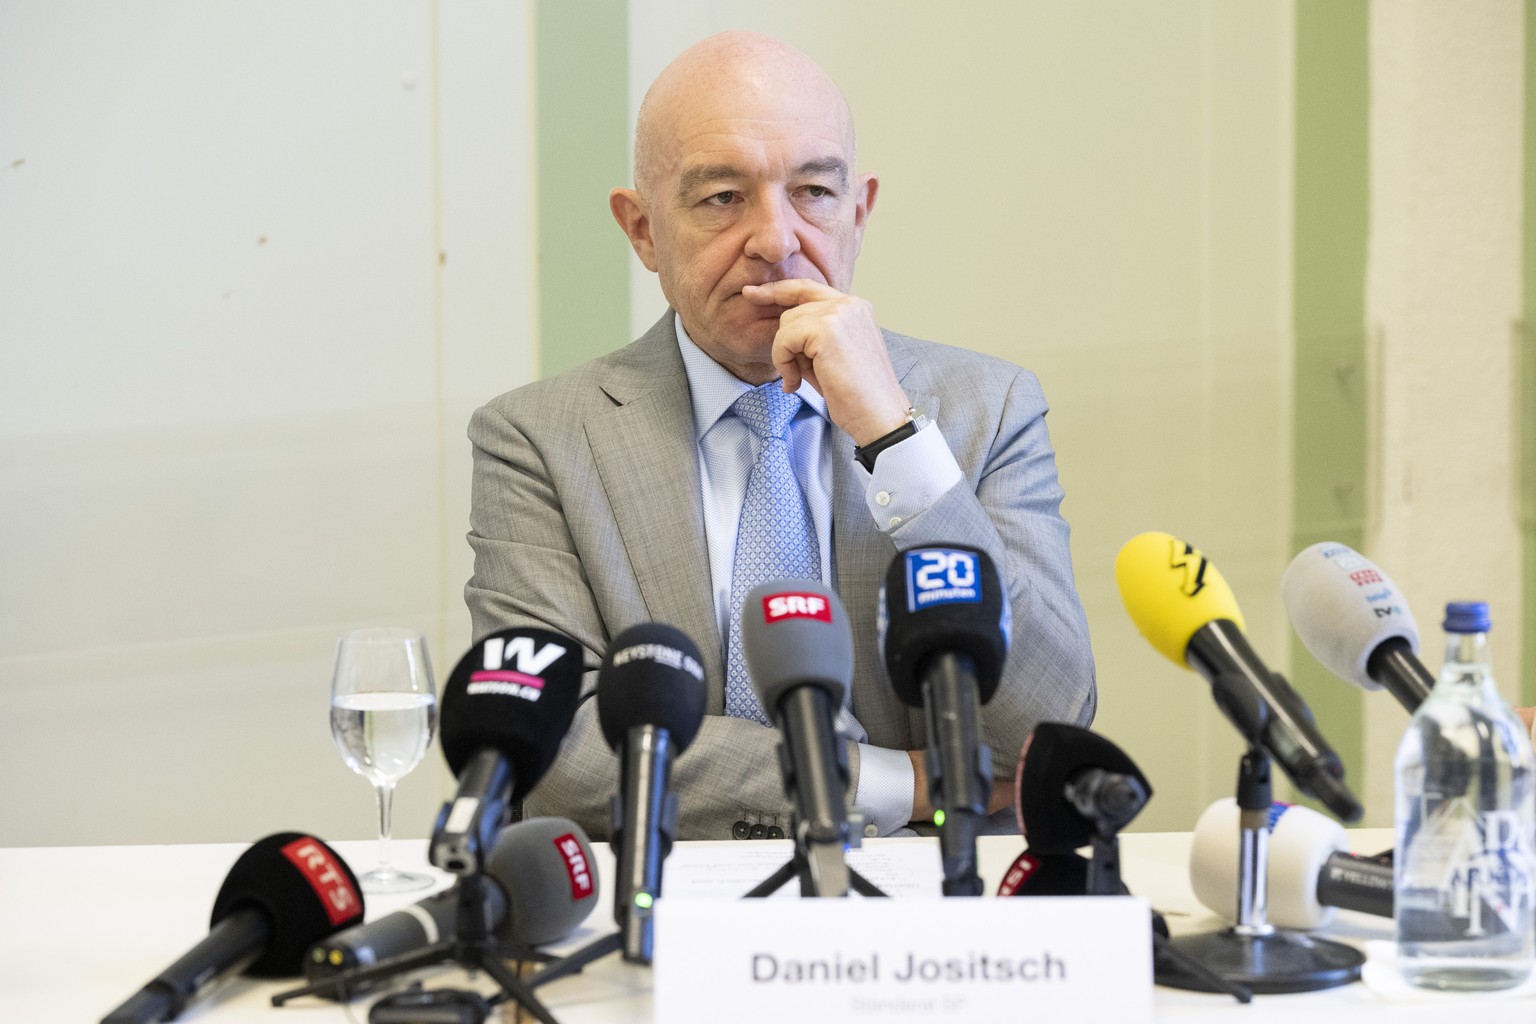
(817, 191)
(721, 199)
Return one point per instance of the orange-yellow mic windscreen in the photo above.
(1171, 590)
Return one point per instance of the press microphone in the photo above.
(1185, 609)
(799, 654)
(1071, 784)
(1354, 620)
(650, 703)
(282, 894)
(505, 709)
(545, 886)
(943, 626)
(1311, 871)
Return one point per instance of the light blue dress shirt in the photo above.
(908, 478)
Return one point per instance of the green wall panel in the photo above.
(582, 117)
(1331, 216)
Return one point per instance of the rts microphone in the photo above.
(1185, 609)
(1354, 620)
(283, 893)
(943, 629)
(1072, 784)
(1310, 870)
(650, 703)
(799, 653)
(506, 707)
(545, 886)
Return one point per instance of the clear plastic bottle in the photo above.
(1466, 826)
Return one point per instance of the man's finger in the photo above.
(792, 292)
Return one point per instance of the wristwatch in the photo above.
(865, 455)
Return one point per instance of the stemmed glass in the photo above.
(383, 716)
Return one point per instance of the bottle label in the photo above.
(1474, 869)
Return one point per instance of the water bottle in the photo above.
(1466, 826)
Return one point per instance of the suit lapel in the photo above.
(645, 455)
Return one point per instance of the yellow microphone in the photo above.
(1185, 609)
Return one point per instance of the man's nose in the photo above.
(771, 230)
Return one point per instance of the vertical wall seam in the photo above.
(1330, 219)
(1527, 341)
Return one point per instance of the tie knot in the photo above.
(767, 410)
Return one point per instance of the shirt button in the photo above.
(759, 831)
(895, 521)
(741, 830)
(774, 832)
(883, 498)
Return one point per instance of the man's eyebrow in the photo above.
(833, 165)
(698, 176)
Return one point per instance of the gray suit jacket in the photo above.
(586, 518)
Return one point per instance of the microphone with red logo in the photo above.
(799, 653)
(545, 886)
(506, 707)
(650, 703)
(944, 627)
(284, 893)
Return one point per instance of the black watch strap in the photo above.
(866, 455)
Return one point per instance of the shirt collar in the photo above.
(713, 389)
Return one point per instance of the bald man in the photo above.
(628, 490)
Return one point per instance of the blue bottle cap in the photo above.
(1467, 617)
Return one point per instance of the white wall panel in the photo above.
(257, 264)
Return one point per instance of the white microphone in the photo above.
(1311, 871)
(1355, 621)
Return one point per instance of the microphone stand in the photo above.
(821, 868)
(1253, 953)
(1168, 961)
(821, 820)
(472, 946)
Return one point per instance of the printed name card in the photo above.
(1082, 958)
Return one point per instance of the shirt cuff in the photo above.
(909, 477)
(885, 786)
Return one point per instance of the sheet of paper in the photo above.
(706, 871)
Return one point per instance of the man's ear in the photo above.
(630, 211)
(864, 193)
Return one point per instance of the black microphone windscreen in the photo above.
(1053, 754)
(545, 866)
(943, 600)
(793, 633)
(652, 675)
(515, 692)
(305, 890)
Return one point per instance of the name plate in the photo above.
(970, 959)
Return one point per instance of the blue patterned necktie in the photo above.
(775, 538)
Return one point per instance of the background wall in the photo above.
(259, 262)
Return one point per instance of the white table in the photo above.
(81, 928)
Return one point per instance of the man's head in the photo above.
(744, 173)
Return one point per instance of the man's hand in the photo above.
(922, 809)
(831, 340)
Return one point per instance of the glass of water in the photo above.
(383, 716)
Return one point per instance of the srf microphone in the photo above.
(943, 627)
(1185, 609)
(1356, 622)
(799, 653)
(282, 894)
(506, 707)
(1311, 870)
(650, 703)
(545, 886)
(1071, 785)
